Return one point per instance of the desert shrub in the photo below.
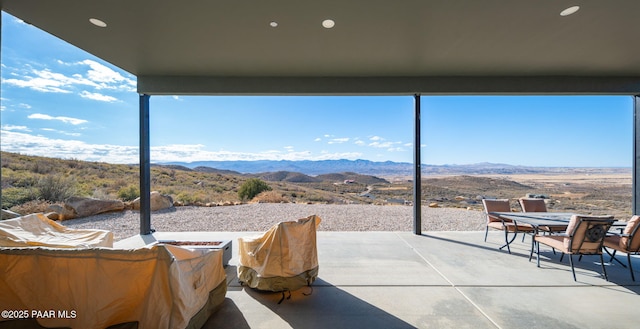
(129, 193)
(14, 196)
(74, 163)
(319, 198)
(120, 183)
(101, 194)
(187, 198)
(31, 207)
(19, 179)
(270, 197)
(44, 166)
(168, 191)
(252, 187)
(56, 188)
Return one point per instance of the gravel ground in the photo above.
(261, 216)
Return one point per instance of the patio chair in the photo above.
(283, 259)
(584, 236)
(627, 242)
(502, 205)
(537, 205)
(532, 205)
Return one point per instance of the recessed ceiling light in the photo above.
(273, 24)
(569, 11)
(328, 23)
(97, 22)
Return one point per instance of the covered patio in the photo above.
(433, 280)
(363, 47)
(355, 47)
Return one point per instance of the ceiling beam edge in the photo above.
(542, 85)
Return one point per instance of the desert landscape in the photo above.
(584, 191)
(32, 184)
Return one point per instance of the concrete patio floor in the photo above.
(435, 280)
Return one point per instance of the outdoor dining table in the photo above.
(550, 221)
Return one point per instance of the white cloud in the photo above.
(45, 81)
(72, 121)
(96, 76)
(380, 145)
(18, 142)
(376, 138)
(339, 140)
(19, 21)
(66, 149)
(359, 142)
(61, 132)
(14, 127)
(108, 78)
(97, 96)
(196, 152)
(100, 73)
(387, 145)
(317, 139)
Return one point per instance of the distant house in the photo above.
(349, 181)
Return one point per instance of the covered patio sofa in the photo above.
(64, 278)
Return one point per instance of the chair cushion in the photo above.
(496, 225)
(558, 242)
(613, 242)
(496, 205)
(533, 205)
(511, 227)
(631, 225)
(573, 223)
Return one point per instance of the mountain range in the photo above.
(366, 167)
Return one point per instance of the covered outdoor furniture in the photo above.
(627, 242)
(284, 258)
(158, 286)
(584, 236)
(37, 230)
(497, 223)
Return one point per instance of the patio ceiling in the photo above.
(375, 47)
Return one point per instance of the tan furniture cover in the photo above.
(283, 258)
(37, 230)
(159, 286)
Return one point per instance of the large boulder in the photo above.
(61, 212)
(84, 207)
(158, 201)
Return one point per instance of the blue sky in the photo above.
(60, 101)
